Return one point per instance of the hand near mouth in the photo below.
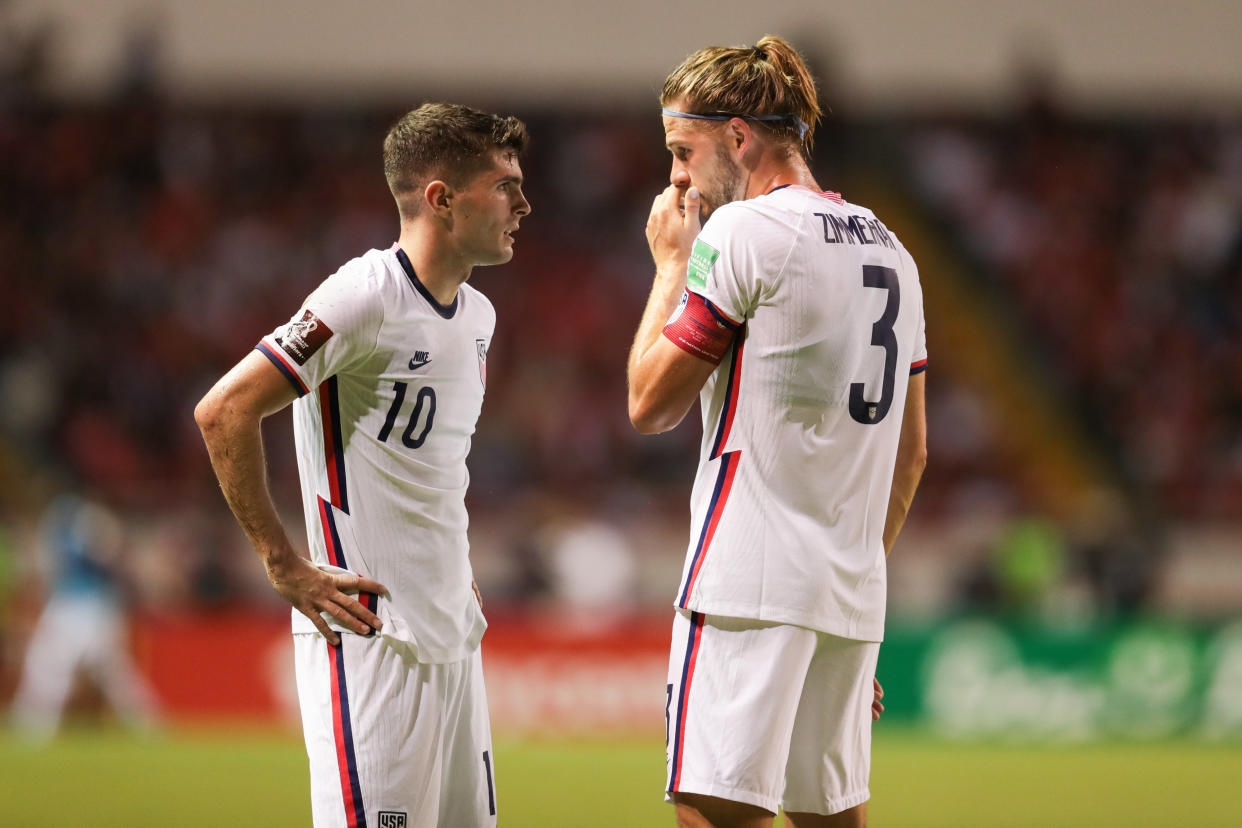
(673, 226)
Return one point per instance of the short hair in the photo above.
(446, 141)
(768, 79)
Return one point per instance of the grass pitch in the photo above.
(245, 778)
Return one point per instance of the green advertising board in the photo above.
(983, 677)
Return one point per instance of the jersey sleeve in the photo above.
(918, 363)
(335, 329)
(729, 261)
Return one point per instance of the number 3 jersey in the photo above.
(390, 385)
(814, 310)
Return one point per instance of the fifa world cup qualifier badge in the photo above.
(304, 336)
(702, 257)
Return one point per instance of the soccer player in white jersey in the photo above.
(796, 319)
(386, 362)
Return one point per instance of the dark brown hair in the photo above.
(446, 141)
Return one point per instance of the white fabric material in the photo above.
(395, 630)
(799, 522)
(418, 735)
(400, 515)
(769, 714)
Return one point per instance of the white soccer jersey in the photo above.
(390, 386)
(801, 420)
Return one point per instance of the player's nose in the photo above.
(679, 178)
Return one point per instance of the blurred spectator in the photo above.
(1029, 563)
(593, 568)
(1118, 552)
(1030, 572)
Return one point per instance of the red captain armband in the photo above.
(698, 328)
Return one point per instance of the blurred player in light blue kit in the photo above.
(82, 627)
(796, 319)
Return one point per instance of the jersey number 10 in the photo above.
(426, 397)
(862, 410)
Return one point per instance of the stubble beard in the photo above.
(726, 185)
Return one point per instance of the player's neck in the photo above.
(770, 176)
(438, 270)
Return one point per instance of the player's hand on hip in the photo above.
(312, 591)
(672, 229)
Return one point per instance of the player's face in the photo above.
(701, 158)
(488, 210)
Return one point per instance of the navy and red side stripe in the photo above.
(730, 405)
(687, 678)
(728, 469)
(342, 730)
(331, 538)
(336, 553)
(333, 445)
(724, 482)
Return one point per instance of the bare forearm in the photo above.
(666, 290)
(237, 456)
(911, 459)
(230, 417)
(905, 482)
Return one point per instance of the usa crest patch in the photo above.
(481, 346)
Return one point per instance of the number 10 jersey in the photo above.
(390, 386)
(802, 417)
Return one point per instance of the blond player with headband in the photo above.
(796, 319)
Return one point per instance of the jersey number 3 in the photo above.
(861, 409)
(426, 398)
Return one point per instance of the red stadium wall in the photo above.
(215, 665)
(545, 671)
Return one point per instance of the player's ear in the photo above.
(438, 196)
(738, 134)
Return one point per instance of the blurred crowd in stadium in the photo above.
(1119, 244)
(147, 246)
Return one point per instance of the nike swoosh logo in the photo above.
(417, 363)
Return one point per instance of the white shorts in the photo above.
(768, 714)
(394, 743)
